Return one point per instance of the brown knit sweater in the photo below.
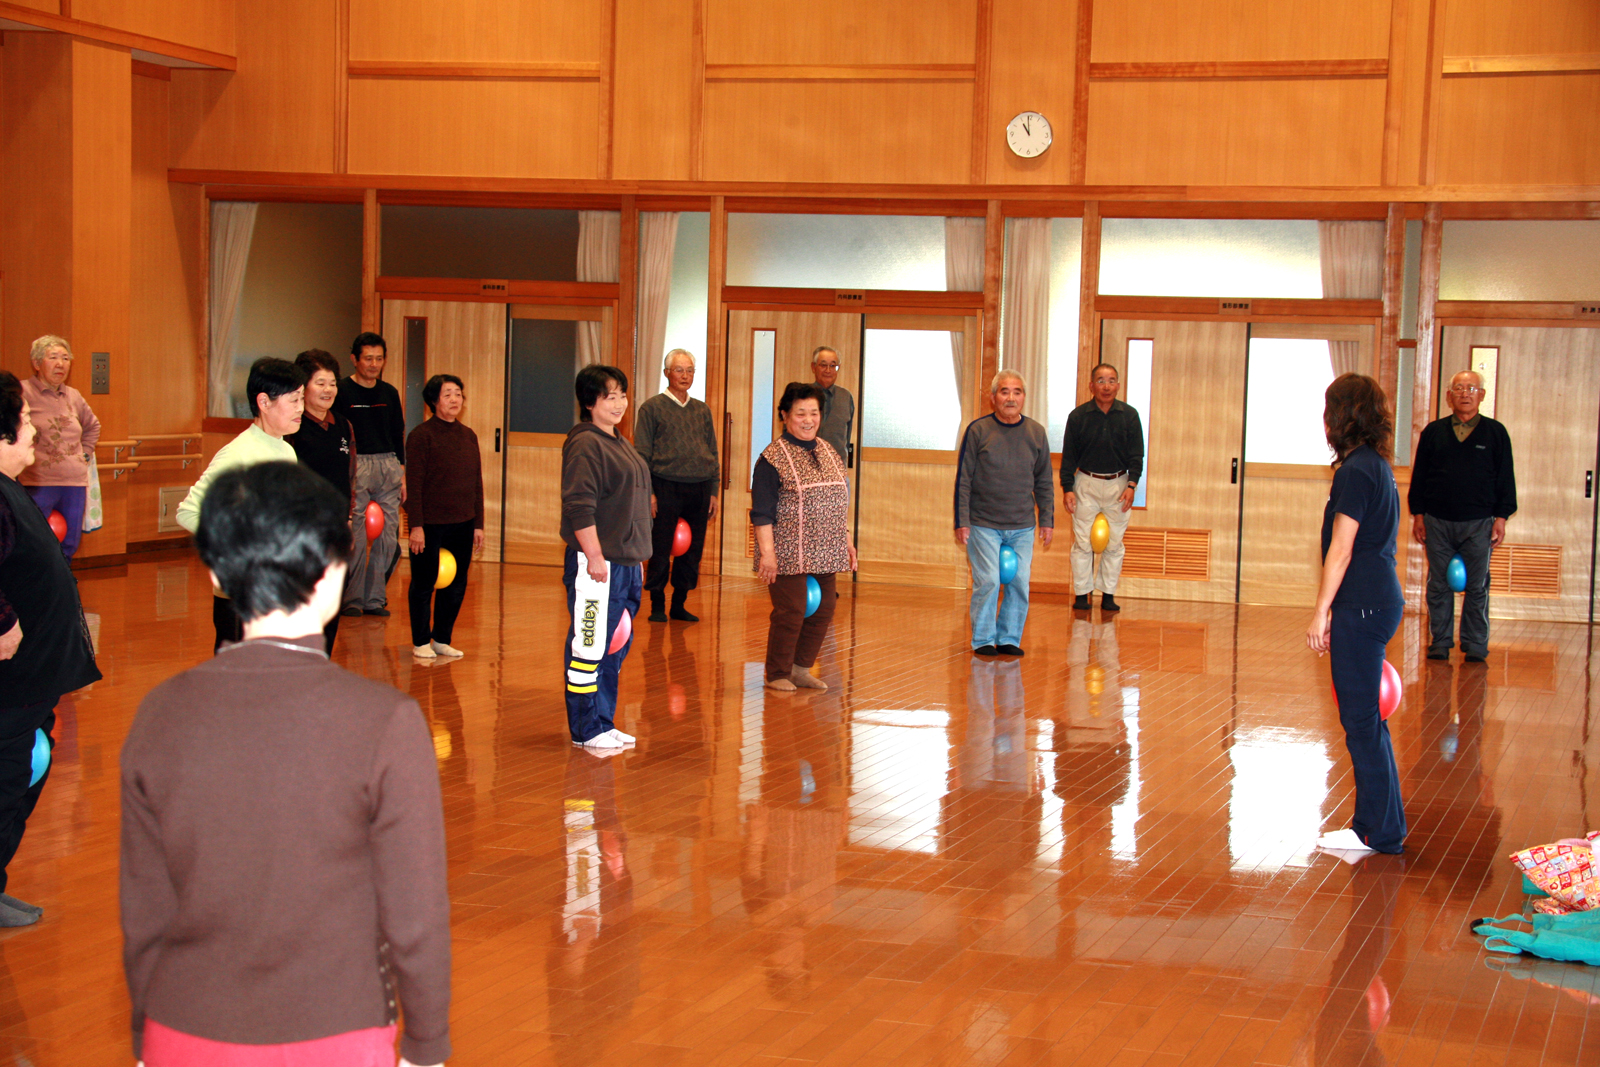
(444, 475)
(283, 858)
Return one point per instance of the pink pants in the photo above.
(165, 1047)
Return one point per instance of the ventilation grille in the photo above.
(1526, 570)
(750, 540)
(1181, 554)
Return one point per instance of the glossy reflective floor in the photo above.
(1099, 854)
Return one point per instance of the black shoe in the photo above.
(1471, 658)
(352, 612)
(1010, 650)
(681, 613)
(381, 612)
(1439, 655)
(1108, 604)
(658, 613)
(986, 650)
(1081, 602)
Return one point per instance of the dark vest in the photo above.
(55, 656)
(326, 450)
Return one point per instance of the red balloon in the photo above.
(374, 520)
(620, 635)
(1390, 690)
(681, 537)
(58, 525)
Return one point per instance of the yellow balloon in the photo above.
(1100, 533)
(447, 569)
(1094, 678)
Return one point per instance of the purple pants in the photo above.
(70, 500)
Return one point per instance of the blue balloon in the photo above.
(41, 756)
(1008, 564)
(813, 596)
(1456, 575)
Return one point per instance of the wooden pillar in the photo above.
(371, 249)
(994, 256)
(1088, 289)
(627, 325)
(1422, 396)
(1394, 273)
(715, 368)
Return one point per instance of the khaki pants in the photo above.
(1096, 495)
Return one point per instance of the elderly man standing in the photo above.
(1102, 459)
(838, 406)
(58, 479)
(1002, 477)
(1463, 489)
(676, 436)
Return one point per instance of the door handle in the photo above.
(1233, 479)
(497, 438)
(727, 442)
(1588, 484)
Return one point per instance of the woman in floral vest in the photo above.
(800, 507)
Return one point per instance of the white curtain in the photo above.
(1025, 318)
(599, 253)
(232, 226)
(963, 273)
(1352, 269)
(658, 238)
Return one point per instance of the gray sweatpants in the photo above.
(1470, 540)
(378, 477)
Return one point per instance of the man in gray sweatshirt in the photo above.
(1002, 478)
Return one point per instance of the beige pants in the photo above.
(1096, 495)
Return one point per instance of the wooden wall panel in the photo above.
(207, 24)
(278, 111)
(483, 128)
(533, 504)
(1290, 132)
(1166, 30)
(654, 89)
(1027, 73)
(841, 31)
(52, 6)
(165, 324)
(1519, 129)
(476, 31)
(1496, 28)
(904, 535)
(838, 131)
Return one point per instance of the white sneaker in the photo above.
(609, 739)
(442, 649)
(424, 652)
(627, 739)
(1346, 840)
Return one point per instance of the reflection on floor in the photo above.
(1099, 854)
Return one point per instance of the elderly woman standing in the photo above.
(444, 501)
(800, 507)
(44, 642)
(1359, 603)
(58, 479)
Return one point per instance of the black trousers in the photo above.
(690, 501)
(17, 797)
(457, 537)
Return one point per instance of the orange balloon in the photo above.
(1100, 533)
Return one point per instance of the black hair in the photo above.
(10, 407)
(315, 359)
(269, 532)
(275, 377)
(796, 391)
(435, 386)
(366, 338)
(594, 382)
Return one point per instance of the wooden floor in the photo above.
(1100, 854)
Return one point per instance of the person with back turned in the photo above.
(1463, 489)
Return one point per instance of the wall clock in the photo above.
(1028, 134)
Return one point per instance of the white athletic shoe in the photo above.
(424, 652)
(609, 739)
(627, 739)
(442, 649)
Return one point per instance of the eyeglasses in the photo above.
(1465, 390)
(827, 366)
(1105, 381)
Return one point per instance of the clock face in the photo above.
(1028, 134)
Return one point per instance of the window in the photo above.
(1285, 387)
(764, 351)
(909, 397)
(479, 242)
(837, 251)
(1135, 392)
(1211, 257)
(1532, 259)
(691, 282)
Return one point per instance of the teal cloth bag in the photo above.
(1571, 938)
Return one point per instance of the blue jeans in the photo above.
(1355, 650)
(593, 713)
(983, 553)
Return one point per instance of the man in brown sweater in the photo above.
(283, 858)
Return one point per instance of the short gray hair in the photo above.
(815, 352)
(666, 363)
(43, 345)
(994, 384)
